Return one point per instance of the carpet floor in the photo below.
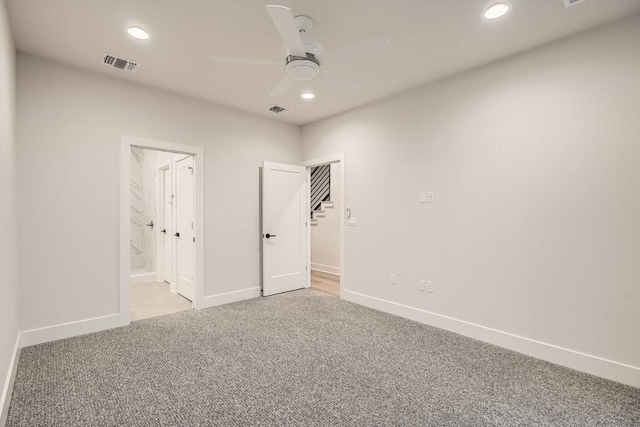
(303, 358)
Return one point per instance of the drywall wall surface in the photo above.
(9, 303)
(534, 166)
(325, 234)
(70, 124)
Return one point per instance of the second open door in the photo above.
(284, 227)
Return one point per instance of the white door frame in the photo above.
(335, 158)
(160, 208)
(128, 142)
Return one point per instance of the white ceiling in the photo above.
(430, 39)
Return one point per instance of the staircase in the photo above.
(320, 188)
(320, 212)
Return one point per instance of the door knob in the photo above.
(164, 231)
(269, 235)
(177, 234)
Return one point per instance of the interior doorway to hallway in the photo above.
(325, 212)
(287, 220)
(161, 237)
(162, 252)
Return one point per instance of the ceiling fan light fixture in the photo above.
(303, 69)
(308, 95)
(138, 33)
(496, 10)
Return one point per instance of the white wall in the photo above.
(325, 235)
(534, 161)
(8, 222)
(69, 127)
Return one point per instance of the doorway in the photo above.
(160, 237)
(286, 228)
(325, 211)
(162, 201)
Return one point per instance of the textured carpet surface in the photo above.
(301, 359)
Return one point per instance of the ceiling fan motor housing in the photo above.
(303, 68)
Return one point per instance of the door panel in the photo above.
(167, 225)
(185, 240)
(284, 220)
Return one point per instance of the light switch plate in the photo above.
(423, 197)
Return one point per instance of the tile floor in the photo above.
(155, 299)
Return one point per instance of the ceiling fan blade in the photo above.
(283, 20)
(341, 82)
(246, 61)
(367, 48)
(283, 87)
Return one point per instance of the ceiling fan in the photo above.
(303, 54)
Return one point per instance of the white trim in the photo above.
(308, 227)
(142, 278)
(125, 232)
(71, 329)
(7, 390)
(341, 159)
(325, 268)
(229, 297)
(160, 209)
(594, 365)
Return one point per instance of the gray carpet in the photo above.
(301, 359)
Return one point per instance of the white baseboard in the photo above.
(229, 297)
(325, 268)
(143, 278)
(71, 329)
(615, 371)
(7, 389)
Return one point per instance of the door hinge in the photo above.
(192, 225)
(194, 240)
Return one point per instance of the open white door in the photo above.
(284, 222)
(166, 262)
(185, 234)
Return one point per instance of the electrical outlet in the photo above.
(392, 279)
(430, 287)
(430, 197)
(421, 285)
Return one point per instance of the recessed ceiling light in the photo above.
(497, 10)
(308, 95)
(138, 33)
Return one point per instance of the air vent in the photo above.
(120, 63)
(278, 110)
(569, 3)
